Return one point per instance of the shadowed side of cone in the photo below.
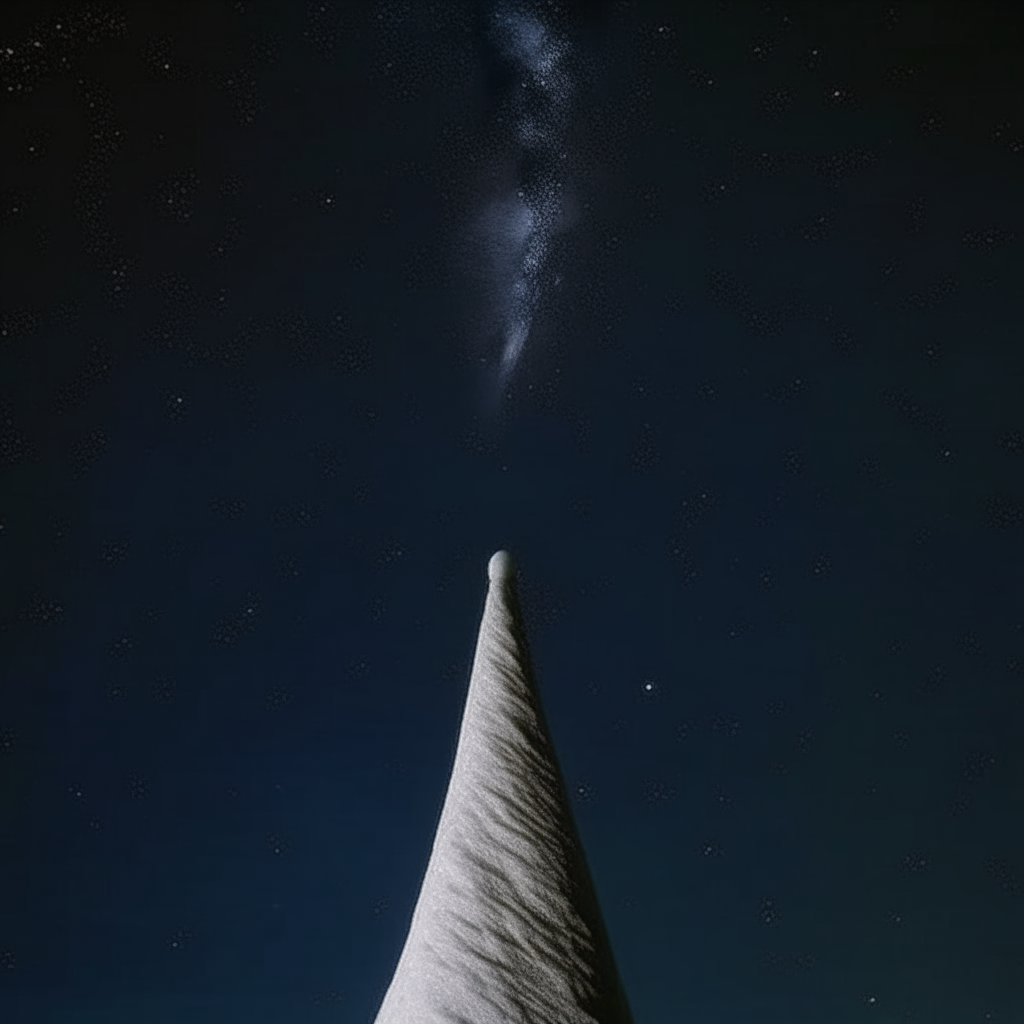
(507, 927)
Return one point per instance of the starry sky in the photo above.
(710, 313)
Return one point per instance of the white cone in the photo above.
(507, 929)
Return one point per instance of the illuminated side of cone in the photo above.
(507, 928)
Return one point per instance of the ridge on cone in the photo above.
(507, 928)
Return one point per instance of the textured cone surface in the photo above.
(507, 929)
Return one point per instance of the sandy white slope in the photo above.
(506, 929)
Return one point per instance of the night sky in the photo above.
(264, 418)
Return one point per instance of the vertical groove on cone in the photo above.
(507, 928)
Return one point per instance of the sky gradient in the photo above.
(759, 459)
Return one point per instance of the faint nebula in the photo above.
(518, 227)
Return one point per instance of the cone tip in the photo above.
(500, 567)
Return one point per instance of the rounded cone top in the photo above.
(500, 567)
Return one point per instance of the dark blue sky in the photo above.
(759, 463)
